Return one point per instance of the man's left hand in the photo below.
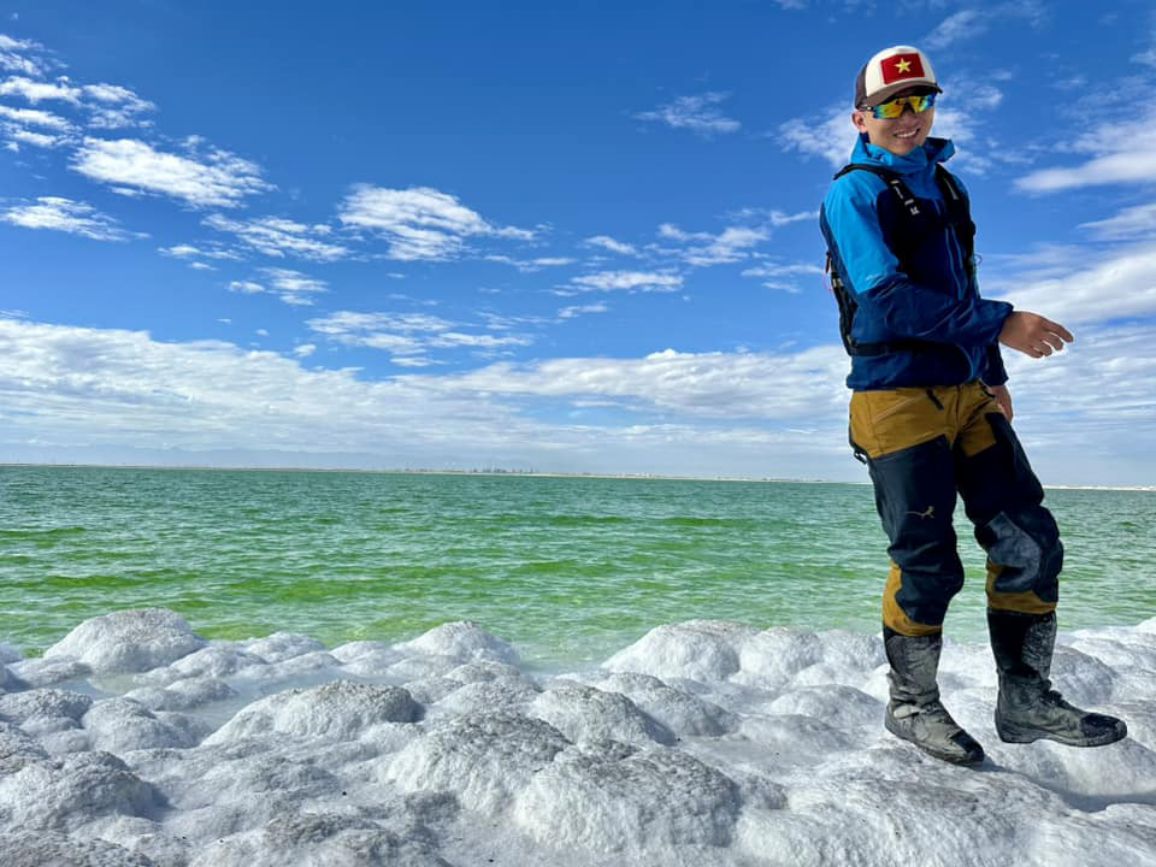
(1003, 398)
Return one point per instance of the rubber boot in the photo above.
(1028, 708)
(915, 712)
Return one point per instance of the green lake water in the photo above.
(568, 569)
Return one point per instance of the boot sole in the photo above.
(1011, 734)
(951, 758)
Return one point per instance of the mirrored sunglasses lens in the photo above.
(894, 108)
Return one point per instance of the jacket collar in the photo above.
(934, 150)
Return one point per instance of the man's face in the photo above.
(900, 135)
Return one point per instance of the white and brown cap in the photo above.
(894, 69)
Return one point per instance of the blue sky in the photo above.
(565, 237)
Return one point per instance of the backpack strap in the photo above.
(954, 202)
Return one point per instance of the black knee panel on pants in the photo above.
(1004, 499)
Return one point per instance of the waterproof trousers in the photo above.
(923, 446)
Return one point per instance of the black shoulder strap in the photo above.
(893, 181)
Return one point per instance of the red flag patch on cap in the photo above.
(901, 66)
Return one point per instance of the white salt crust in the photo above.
(134, 741)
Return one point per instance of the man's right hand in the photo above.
(1033, 334)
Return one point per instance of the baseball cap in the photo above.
(894, 69)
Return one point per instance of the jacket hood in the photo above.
(934, 150)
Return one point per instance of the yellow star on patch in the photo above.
(902, 66)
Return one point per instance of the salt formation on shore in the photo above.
(133, 741)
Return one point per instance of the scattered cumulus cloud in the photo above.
(1131, 223)
(113, 107)
(1125, 154)
(971, 23)
(420, 223)
(607, 243)
(65, 215)
(785, 278)
(408, 337)
(279, 237)
(529, 266)
(830, 136)
(699, 114)
(577, 310)
(630, 281)
(41, 91)
(703, 249)
(36, 117)
(188, 251)
(292, 287)
(215, 178)
(14, 56)
(1119, 284)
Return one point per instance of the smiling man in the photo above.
(931, 417)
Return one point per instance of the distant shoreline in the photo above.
(422, 471)
(496, 472)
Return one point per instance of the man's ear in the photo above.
(857, 120)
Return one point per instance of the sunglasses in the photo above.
(894, 108)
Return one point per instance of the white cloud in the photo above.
(1121, 284)
(66, 215)
(13, 59)
(756, 414)
(609, 281)
(420, 223)
(36, 117)
(112, 106)
(216, 178)
(304, 350)
(699, 114)
(279, 237)
(704, 249)
(970, 23)
(964, 24)
(40, 91)
(1125, 154)
(407, 336)
(293, 287)
(830, 137)
(36, 139)
(706, 385)
(247, 287)
(530, 266)
(608, 243)
(188, 251)
(1131, 223)
(577, 310)
(783, 277)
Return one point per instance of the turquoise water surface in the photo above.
(569, 569)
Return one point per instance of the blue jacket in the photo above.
(931, 298)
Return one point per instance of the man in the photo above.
(930, 416)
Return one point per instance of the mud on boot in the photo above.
(1028, 709)
(915, 712)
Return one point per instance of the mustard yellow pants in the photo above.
(923, 446)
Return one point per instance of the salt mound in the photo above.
(703, 650)
(42, 850)
(703, 743)
(128, 641)
(338, 711)
(464, 642)
(482, 759)
(583, 713)
(651, 800)
(65, 794)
